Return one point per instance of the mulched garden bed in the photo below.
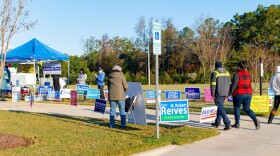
(11, 141)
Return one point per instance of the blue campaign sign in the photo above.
(93, 93)
(192, 93)
(82, 89)
(172, 95)
(100, 106)
(45, 89)
(270, 92)
(174, 111)
(52, 68)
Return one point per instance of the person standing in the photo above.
(275, 85)
(82, 78)
(242, 94)
(220, 86)
(100, 82)
(117, 87)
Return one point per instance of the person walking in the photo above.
(100, 82)
(82, 79)
(275, 85)
(220, 86)
(242, 94)
(117, 87)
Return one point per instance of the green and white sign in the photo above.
(174, 111)
(156, 39)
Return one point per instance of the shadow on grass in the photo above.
(84, 121)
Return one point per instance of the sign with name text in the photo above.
(208, 114)
(93, 93)
(174, 111)
(192, 93)
(100, 106)
(53, 68)
(82, 89)
(172, 95)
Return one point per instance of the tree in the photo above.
(260, 27)
(213, 42)
(13, 16)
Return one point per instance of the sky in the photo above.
(64, 24)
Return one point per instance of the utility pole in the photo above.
(261, 75)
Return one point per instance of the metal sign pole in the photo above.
(157, 101)
(156, 52)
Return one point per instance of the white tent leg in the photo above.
(68, 79)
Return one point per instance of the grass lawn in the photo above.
(66, 135)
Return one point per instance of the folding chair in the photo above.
(131, 109)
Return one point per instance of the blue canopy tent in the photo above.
(33, 51)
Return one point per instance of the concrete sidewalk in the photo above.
(243, 141)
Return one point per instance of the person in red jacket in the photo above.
(242, 94)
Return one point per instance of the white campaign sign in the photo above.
(65, 93)
(208, 114)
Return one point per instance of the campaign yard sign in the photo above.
(271, 96)
(174, 111)
(73, 98)
(82, 89)
(192, 93)
(260, 104)
(44, 90)
(52, 68)
(208, 114)
(151, 96)
(207, 95)
(93, 93)
(65, 93)
(100, 106)
(172, 95)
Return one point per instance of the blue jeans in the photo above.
(121, 104)
(221, 113)
(113, 107)
(245, 100)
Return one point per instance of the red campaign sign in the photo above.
(73, 98)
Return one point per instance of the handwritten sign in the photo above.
(260, 104)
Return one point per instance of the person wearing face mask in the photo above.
(100, 82)
(82, 78)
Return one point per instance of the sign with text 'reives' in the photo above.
(82, 89)
(208, 114)
(192, 93)
(53, 68)
(207, 95)
(172, 95)
(93, 93)
(260, 104)
(174, 111)
(74, 98)
(100, 106)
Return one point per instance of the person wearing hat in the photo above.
(100, 82)
(117, 86)
(220, 86)
(275, 85)
(241, 90)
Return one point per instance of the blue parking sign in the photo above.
(156, 35)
